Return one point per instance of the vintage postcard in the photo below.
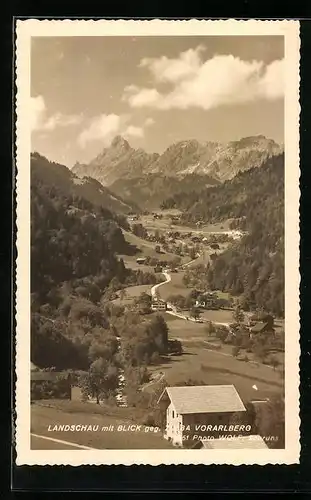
(157, 188)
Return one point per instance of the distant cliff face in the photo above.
(115, 162)
(220, 161)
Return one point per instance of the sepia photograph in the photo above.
(162, 201)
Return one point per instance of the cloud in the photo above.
(133, 131)
(142, 97)
(60, 120)
(220, 80)
(37, 112)
(173, 70)
(149, 122)
(40, 121)
(102, 127)
(105, 127)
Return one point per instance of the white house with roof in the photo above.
(204, 410)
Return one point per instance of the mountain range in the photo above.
(188, 165)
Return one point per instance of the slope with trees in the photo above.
(252, 267)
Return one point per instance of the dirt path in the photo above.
(155, 287)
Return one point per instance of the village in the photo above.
(211, 340)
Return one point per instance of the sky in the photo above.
(153, 91)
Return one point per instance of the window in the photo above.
(173, 413)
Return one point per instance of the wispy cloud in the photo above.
(149, 122)
(37, 112)
(133, 131)
(220, 80)
(103, 127)
(40, 121)
(61, 120)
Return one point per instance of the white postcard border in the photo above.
(25, 29)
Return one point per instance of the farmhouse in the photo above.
(47, 384)
(250, 442)
(201, 411)
(265, 326)
(207, 300)
(141, 260)
(158, 305)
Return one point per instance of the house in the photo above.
(207, 300)
(141, 260)
(200, 411)
(261, 318)
(132, 218)
(50, 384)
(158, 269)
(249, 442)
(262, 327)
(158, 305)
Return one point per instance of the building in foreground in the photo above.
(197, 412)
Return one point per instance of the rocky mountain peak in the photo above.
(221, 161)
(120, 142)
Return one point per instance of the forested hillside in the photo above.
(74, 275)
(54, 174)
(70, 240)
(73, 247)
(253, 266)
(151, 190)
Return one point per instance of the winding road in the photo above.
(168, 278)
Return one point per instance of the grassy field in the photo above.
(132, 292)
(220, 316)
(147, 249)
(174, 287)
(165, 224)
(211, 367)
(70, 412)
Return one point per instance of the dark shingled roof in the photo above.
(259, 327)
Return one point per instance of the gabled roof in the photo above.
(204, 399)
(239, 442)
(259, 327)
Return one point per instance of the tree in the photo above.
(238, 315)
(139, 230)
(235, 350)
(259, 350)
(192, 253)
(270, 420)
(155, 358)
(177, 300)
(143, 303)
(104, 348)
(195, 313)
(157, 330)
(100, 381)
(209, 328)
(274, 362)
